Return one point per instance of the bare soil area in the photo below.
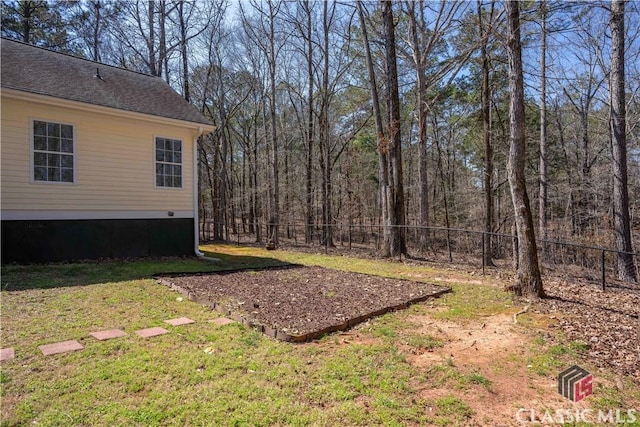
(303, 302)
(606, 322)
(496, 350)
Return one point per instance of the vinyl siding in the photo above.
(115, 163)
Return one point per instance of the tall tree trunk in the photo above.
(419, 61)
(323, 136)
(183, 52)
(151, 40)
(243, 192)
(254, 179)
(542, 214)
(443, 186)
(570, 211)
(622, 223)
(394, 239)
(381, 138)
(274, 214)
(287, 182)
(308, 235)
(162, 47)
(96, 31)
(585, 184)
(27, 11)
(528, 280)
(486, 134)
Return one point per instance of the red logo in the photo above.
(583, 388)
(575, 383)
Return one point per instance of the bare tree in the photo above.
(417, 31)
(393, 194)
(377, 114)
(308, 31)
(528, 281)
(543, 173)
(262, 31)
(626, 267)
(434, 70)
(484, 33)
(323, 126)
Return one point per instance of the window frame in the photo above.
(156, 162)
(32, 152)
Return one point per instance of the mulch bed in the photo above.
(300, 303)
(607, 322)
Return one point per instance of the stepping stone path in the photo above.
(6, 354)
(60, 347)
(151, 332)
(73, 345)
(107, 335)
(179, 322)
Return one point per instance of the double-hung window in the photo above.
(168, 163)
(53, 152)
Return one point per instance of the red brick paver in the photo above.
(106, 335)
(221, 321)
(180, 321)
(151, 332)
(60, 347)
(6, 354)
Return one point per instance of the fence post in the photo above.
(602, 259)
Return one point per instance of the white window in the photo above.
(53, 152)
(168, 163)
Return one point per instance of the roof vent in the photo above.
(98, 76)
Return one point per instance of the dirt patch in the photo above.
(473, 344)
(302, 302)
(484, 364)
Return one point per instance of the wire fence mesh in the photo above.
(454, 245)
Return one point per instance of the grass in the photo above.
(424, 342)
(452, 411)
(197, 374)
(202, 374)
(550, 358)
(478, 379)
(468, 303)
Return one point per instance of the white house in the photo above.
(96, 161)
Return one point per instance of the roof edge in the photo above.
(203, 128)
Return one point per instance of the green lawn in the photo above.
(203, 374)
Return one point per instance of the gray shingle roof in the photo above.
(32, 69)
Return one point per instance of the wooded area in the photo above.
(391, 113)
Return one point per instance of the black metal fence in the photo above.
(454, 245)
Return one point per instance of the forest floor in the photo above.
(459, 359)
